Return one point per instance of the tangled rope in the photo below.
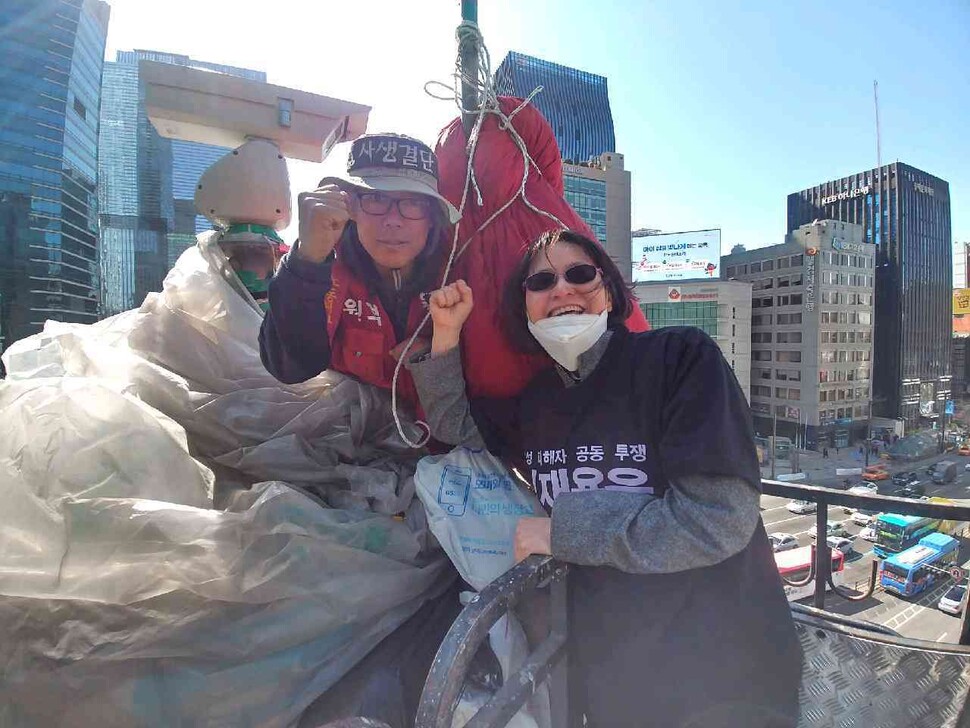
(469, 35)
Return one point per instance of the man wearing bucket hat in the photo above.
(352, 291)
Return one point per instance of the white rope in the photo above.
(468, 32)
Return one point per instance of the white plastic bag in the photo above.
(473, 506)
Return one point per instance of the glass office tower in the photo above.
(905, 212)
(50, 94)
(147, 189)
(575, 103)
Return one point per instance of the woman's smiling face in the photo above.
(565, 298)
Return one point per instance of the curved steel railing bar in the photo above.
(443, 686)
(837, 590)
(798, 610)
(808, 579)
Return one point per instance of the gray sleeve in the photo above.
(700, 521)
(441, 389)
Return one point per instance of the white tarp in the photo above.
(125, 598)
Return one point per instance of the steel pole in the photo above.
(468, 51)
(774, 439)
(823, 557)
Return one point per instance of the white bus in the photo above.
(795, 564)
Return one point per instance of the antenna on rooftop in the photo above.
(875, 96)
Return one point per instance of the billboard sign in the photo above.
(683, 256)
(961, 301)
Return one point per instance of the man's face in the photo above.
(386, 227)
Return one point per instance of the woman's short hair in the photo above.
(513, 315)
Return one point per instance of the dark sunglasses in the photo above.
(410, 208)
(581, 274)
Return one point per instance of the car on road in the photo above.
(901, 479)
(964, 450)
(913, 490)
(863, 517)
(840, 543)
(945, 472)
(833, 528)
(860, 489)
(782, 542)
(802, 506)
(875, 472)
(869, 533)
(952, 601)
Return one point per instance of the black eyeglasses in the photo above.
(581, 274)
(410, 208)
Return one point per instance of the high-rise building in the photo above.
(811, 332)
(50, 94)
(961, 359)
(147, 183)
(961, 253)
(905, 213)
(577, 107)
(575, 103)
(599, 191)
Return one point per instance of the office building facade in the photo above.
(961, 253)
(600, 192)
(576, 103)
(905, 213)
(721, 308)
(148, 216)
(961, 359)
(50, 93)
(577, 106)
(811, 333)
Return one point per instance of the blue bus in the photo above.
(918, 567)
(895, 533)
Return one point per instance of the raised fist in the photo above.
(450, 307)
(323, 215)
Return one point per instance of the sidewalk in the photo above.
(819, 470)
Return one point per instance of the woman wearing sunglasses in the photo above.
(349, 294)
(640, 447)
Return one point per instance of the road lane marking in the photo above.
(940, 638)
(784, 520)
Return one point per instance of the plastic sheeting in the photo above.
(191, 352)
(125, 599)
(231, 618)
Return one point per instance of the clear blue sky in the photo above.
(721, 108)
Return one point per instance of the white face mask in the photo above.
(566, 337)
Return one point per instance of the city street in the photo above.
(918, 617)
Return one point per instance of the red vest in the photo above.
(362, 335)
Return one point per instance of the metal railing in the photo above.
(443, 687)
(548, 660)
(824, 497)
